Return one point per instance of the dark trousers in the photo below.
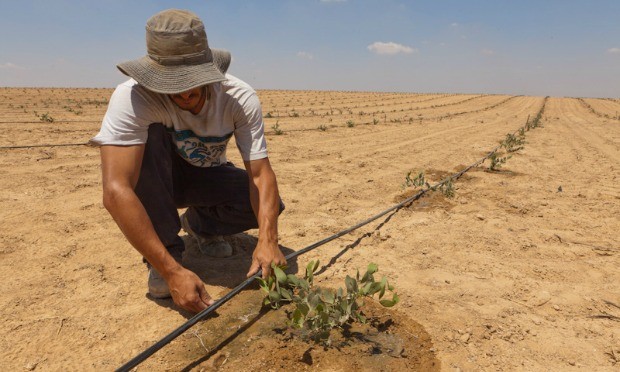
(217, 198)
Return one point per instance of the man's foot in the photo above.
(212, 245)
(158, 288)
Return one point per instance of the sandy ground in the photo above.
(518, 271)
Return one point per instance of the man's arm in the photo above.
(265, 201)
(121, 169)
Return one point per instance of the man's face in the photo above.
(191, 100)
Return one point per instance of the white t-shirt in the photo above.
(201, 139)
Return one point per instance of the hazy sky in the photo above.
(531, 47)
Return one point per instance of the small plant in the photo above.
(497, 161)
(375, 121)
(322, 127)
(276, 129)
(417, 181)
(447, 188)
(350, 124)
(513, 143)
(46, 118)
(319, 310)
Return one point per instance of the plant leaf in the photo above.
(384, 284)
(293, 279)
(390, 303)
(310, 271)
(280, 275)
(351, 284)
(274, 296)
(286, 294)
(316, 266)
(328, 296)
(304, 309)
(313, 300)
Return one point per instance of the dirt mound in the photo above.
(243, 332)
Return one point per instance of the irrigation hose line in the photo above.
(203, 314)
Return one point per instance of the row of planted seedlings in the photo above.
(347, 110)
(512, 143)
(278, 130)
(598, 113)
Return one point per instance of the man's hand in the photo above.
(188, 291)
(263, 256)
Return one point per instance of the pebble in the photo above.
(556, 308)
(571, 362)
(465, 337)
(480, 217)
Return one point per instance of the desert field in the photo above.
(519, 270)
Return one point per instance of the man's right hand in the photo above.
(188, 291)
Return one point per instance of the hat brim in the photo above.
(170, 79)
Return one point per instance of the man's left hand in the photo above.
(264, 254)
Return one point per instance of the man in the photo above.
(163, 146)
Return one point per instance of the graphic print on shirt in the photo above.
(201, 151)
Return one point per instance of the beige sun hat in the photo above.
(178, 55)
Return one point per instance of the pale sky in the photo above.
(530, 47)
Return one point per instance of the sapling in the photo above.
(46, 117)
(319, 310)
(276, 129)
(497, 161)
(417, 181)
(447, 188)
(513, 143)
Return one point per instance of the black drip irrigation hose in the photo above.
(203, 314)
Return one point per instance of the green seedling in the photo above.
(276, 129)
(497, 161)
(46, 118)
(417, 181)
(447, 188)
(319, 310)
(513, 143)
(350, 124)
(322, 127)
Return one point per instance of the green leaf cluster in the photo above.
(513, 143)
(276, 129)
(497, 161)
(319, 310)
(447, 188)
(417, 181)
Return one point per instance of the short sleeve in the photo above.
(130, 112)
(250, 128)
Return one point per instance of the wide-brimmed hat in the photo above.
(178, 55)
